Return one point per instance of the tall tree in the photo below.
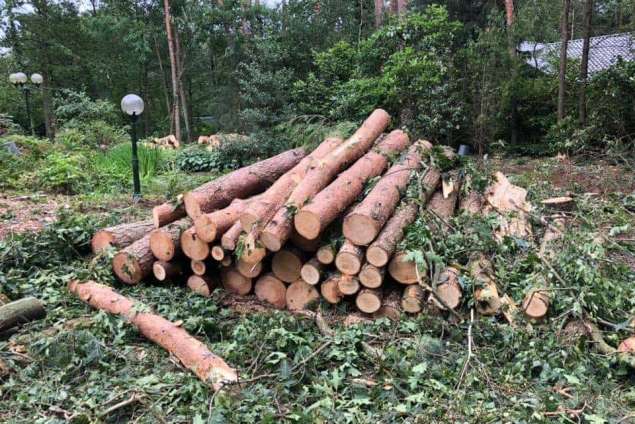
(176, 112)
(379, 13)
(584, 64)
(511, 45)
(564, 45)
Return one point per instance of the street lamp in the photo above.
(132, 105)
(19, 79)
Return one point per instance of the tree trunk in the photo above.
(249, 270)
(287, 265)
(120, 236)
(229, 240)
(379, 13)
(271, 290)
(369, 300)
(412, 299)
(584, 64)
(371, 276)
(163, 270)
(330, 290)
(193, 354)
(234, 282)
(312, 271)
(165, 242)
(262, 210)
(328, 204)
(348, 284)
(280, 228)
(511, 45)
(366, 220)
(240, 184)
(326, 254)
(487, 299)
(180, 73)
(212, 225)
(564, 42)
(19, 312)
(202, 285)
(174, 69)
(192, 245)
(133, 263)
(301, 295)
(448, 289)
(349, 259)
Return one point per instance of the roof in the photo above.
(604, 52)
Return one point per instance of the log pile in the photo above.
(323, 224)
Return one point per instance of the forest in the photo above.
(319, 211)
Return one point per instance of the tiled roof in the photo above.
(603, 53)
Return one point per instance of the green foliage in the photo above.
(75, 108)
(198, 159)
(59, 173)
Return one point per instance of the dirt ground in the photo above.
(28, 213)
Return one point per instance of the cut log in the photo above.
(193, 354)
(234, 282)
(239, 184)
(390, 306)
(163, 270)
(510, 201)
(486, 295)
(133, 263)
(471, 203)
(312, 271)
(229, 240)
(329, 203)
(227, 261)
(362, 225)
(404, 270)
(120, 236)
(348, 285)
(448, 289)
(369, 300)
(20, 312)
(247, 269)
(330, 290)
(217, 253)
(555, 231)
(559, 204)
(349, 259)
(326, 254)
(262, 210)
(167, 212)
(536, 304)
(210, 226)
(371, 276)
(301, 295)
(443, 205)
(202, 285)
(279, 229)
(253, 251)
(287, 265)
(303, 243)
(199, 267)
(271, 290)
(165, 242)
(412, 299)
(192, 245)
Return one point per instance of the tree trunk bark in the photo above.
(212, 225)
(180, 73)
(584, 64)
(19, 312)
(174, 69)
(193, 354)
(163, 270)
(120, 236)
(229, 240)
(379, 13)
(564, 43)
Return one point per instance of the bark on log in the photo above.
(471, 203)
(330, 290)
(239, 184)
(19, 312)
(403, 270)
(163, 270)
(380, 251)
(412, 299)
(202, 285)
(348, 284)
(362, 225)
(559, 204)
(329, 203)
(369, 300)
(443, 205)
(247, 269)
(287, 265)
(262, 210)
(349, 259)
(229, 240)
(133, 263)
(120, 236)
(301, 295)
(192, 245)
(303, 243)
(165, 242)
(371, 276)
(326, 254)
(167, 212)
(279, 229)
(271, 290)
(193, 354)
(312, 271)
(234, 282)
(448, 289)
(212, 225)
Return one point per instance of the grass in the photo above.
(78, 363)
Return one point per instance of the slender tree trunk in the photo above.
(584, 65)
(47, 104)
(180, 62)
(511, 45)
(166, 90)
(173, 66)
(379, 13)
(564, 44)
(402, 5)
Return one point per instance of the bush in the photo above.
(75, 108)
(59, 173)
(198, 159)
(13, 167)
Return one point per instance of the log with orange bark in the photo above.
(362, 225)
(300, 295)
(193, 354)
(211, 226)
(349, 259)
(165, 242)
(329, 203)
(120, 236)
(270, 289)
(279, 229)
(133, 263)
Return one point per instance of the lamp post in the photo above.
(19, 79)
(132, 105)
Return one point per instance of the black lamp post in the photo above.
(19, 79)
(132, 105)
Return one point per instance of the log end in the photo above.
(205, 228)
(301, 295)
(307, 224)
(371, 276)
(310, 274)
(271, 241)
(249, 270)
(348, 263)
(198, 267)
(101, 241)
(377, 256)
(286, 265)
(330, 290)
(234, 282)
(411, 305)
(127, 268)
(325, 255)
(159, 271)
(201, 285)
(368, 301)
(348, 285)
(271, 290)
(193, 246)
(360, 229)
(218, 253)
(536, 305)
(402, 269)
(162, 245)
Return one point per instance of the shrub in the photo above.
(59, 173)
(74, 108)
(198, 159)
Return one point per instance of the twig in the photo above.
(469, 350)
(132, 399)
(436, 296)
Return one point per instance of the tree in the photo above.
(509, 18)
(174, 70)
(564, 44)
(584, 64)
(379, 13)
